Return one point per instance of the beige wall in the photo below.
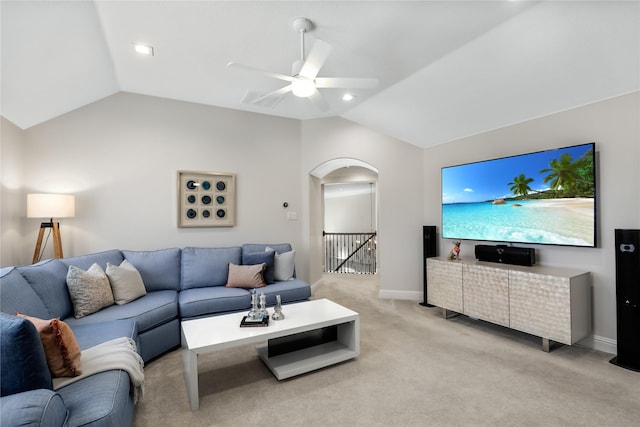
(350, 213)
(13, 202)
(400, 196)
(120, 157)
(614, 125)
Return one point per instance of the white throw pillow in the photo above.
(126, 282)
(89, 290)
(283, 265)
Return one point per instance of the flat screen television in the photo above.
(547, 197)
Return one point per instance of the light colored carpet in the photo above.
(415, 369)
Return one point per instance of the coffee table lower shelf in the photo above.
(308, 359)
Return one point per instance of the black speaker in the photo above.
(429, 249)
(627, 246)
(506, 254)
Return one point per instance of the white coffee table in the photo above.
(313, 335)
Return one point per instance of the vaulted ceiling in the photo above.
(446, 69)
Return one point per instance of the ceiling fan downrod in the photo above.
(302, 25)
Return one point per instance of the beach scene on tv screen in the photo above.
(546, 197)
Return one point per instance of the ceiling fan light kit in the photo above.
(303, 88)
(304, 81)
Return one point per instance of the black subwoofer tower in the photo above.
(429, 249)
(628, 298)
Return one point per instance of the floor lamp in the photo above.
(50, 206)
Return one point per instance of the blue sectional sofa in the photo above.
(180, 284)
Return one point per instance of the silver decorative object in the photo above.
(263, 305)
(277, 314)
(254, 313)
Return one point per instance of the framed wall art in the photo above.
(206, 199)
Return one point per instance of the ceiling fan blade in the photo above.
(346, 83)
(318, 100)
(280, 91)
(315, 60)
(257, 70)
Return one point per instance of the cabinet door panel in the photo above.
(486, 293)
(444, 284)
(540, 305)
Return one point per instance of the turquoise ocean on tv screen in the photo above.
(534, 221)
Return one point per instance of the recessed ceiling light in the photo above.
(143, 49)
(347, 97)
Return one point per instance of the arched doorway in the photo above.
(343, 226)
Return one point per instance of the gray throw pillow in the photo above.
(89, 290)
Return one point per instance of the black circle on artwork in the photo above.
(191, 213)
(221, 213)
(221, 186)
(206, 185)
(220, 200)
(191, 184)
(206, 213)
(206, 200)
(191, 199)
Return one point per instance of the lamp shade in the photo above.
(51, 206)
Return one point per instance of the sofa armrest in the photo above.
(39, 407)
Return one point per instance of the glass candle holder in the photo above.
(277, 313)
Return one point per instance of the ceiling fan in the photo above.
(304, 81)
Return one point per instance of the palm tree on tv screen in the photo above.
(570, 178)
(520, 185)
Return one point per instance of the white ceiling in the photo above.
(447, 69)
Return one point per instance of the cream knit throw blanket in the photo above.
(119, 353)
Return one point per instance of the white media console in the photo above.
(552, 303)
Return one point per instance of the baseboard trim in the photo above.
(401, 295)
(317, 285)
(604, 344)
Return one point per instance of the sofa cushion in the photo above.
(23, 365)
(261, 247)
(213, 300)
(246, 276)
(160, 270)
(60, 346)
(49, 280)
(289, 291)
(266, 257)
(90, 290)
(203, 267)
(94, 333)
(84, 262)
(16, 295)
(41, 408)
(126, 282)
(149, 311)
(111, 403)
